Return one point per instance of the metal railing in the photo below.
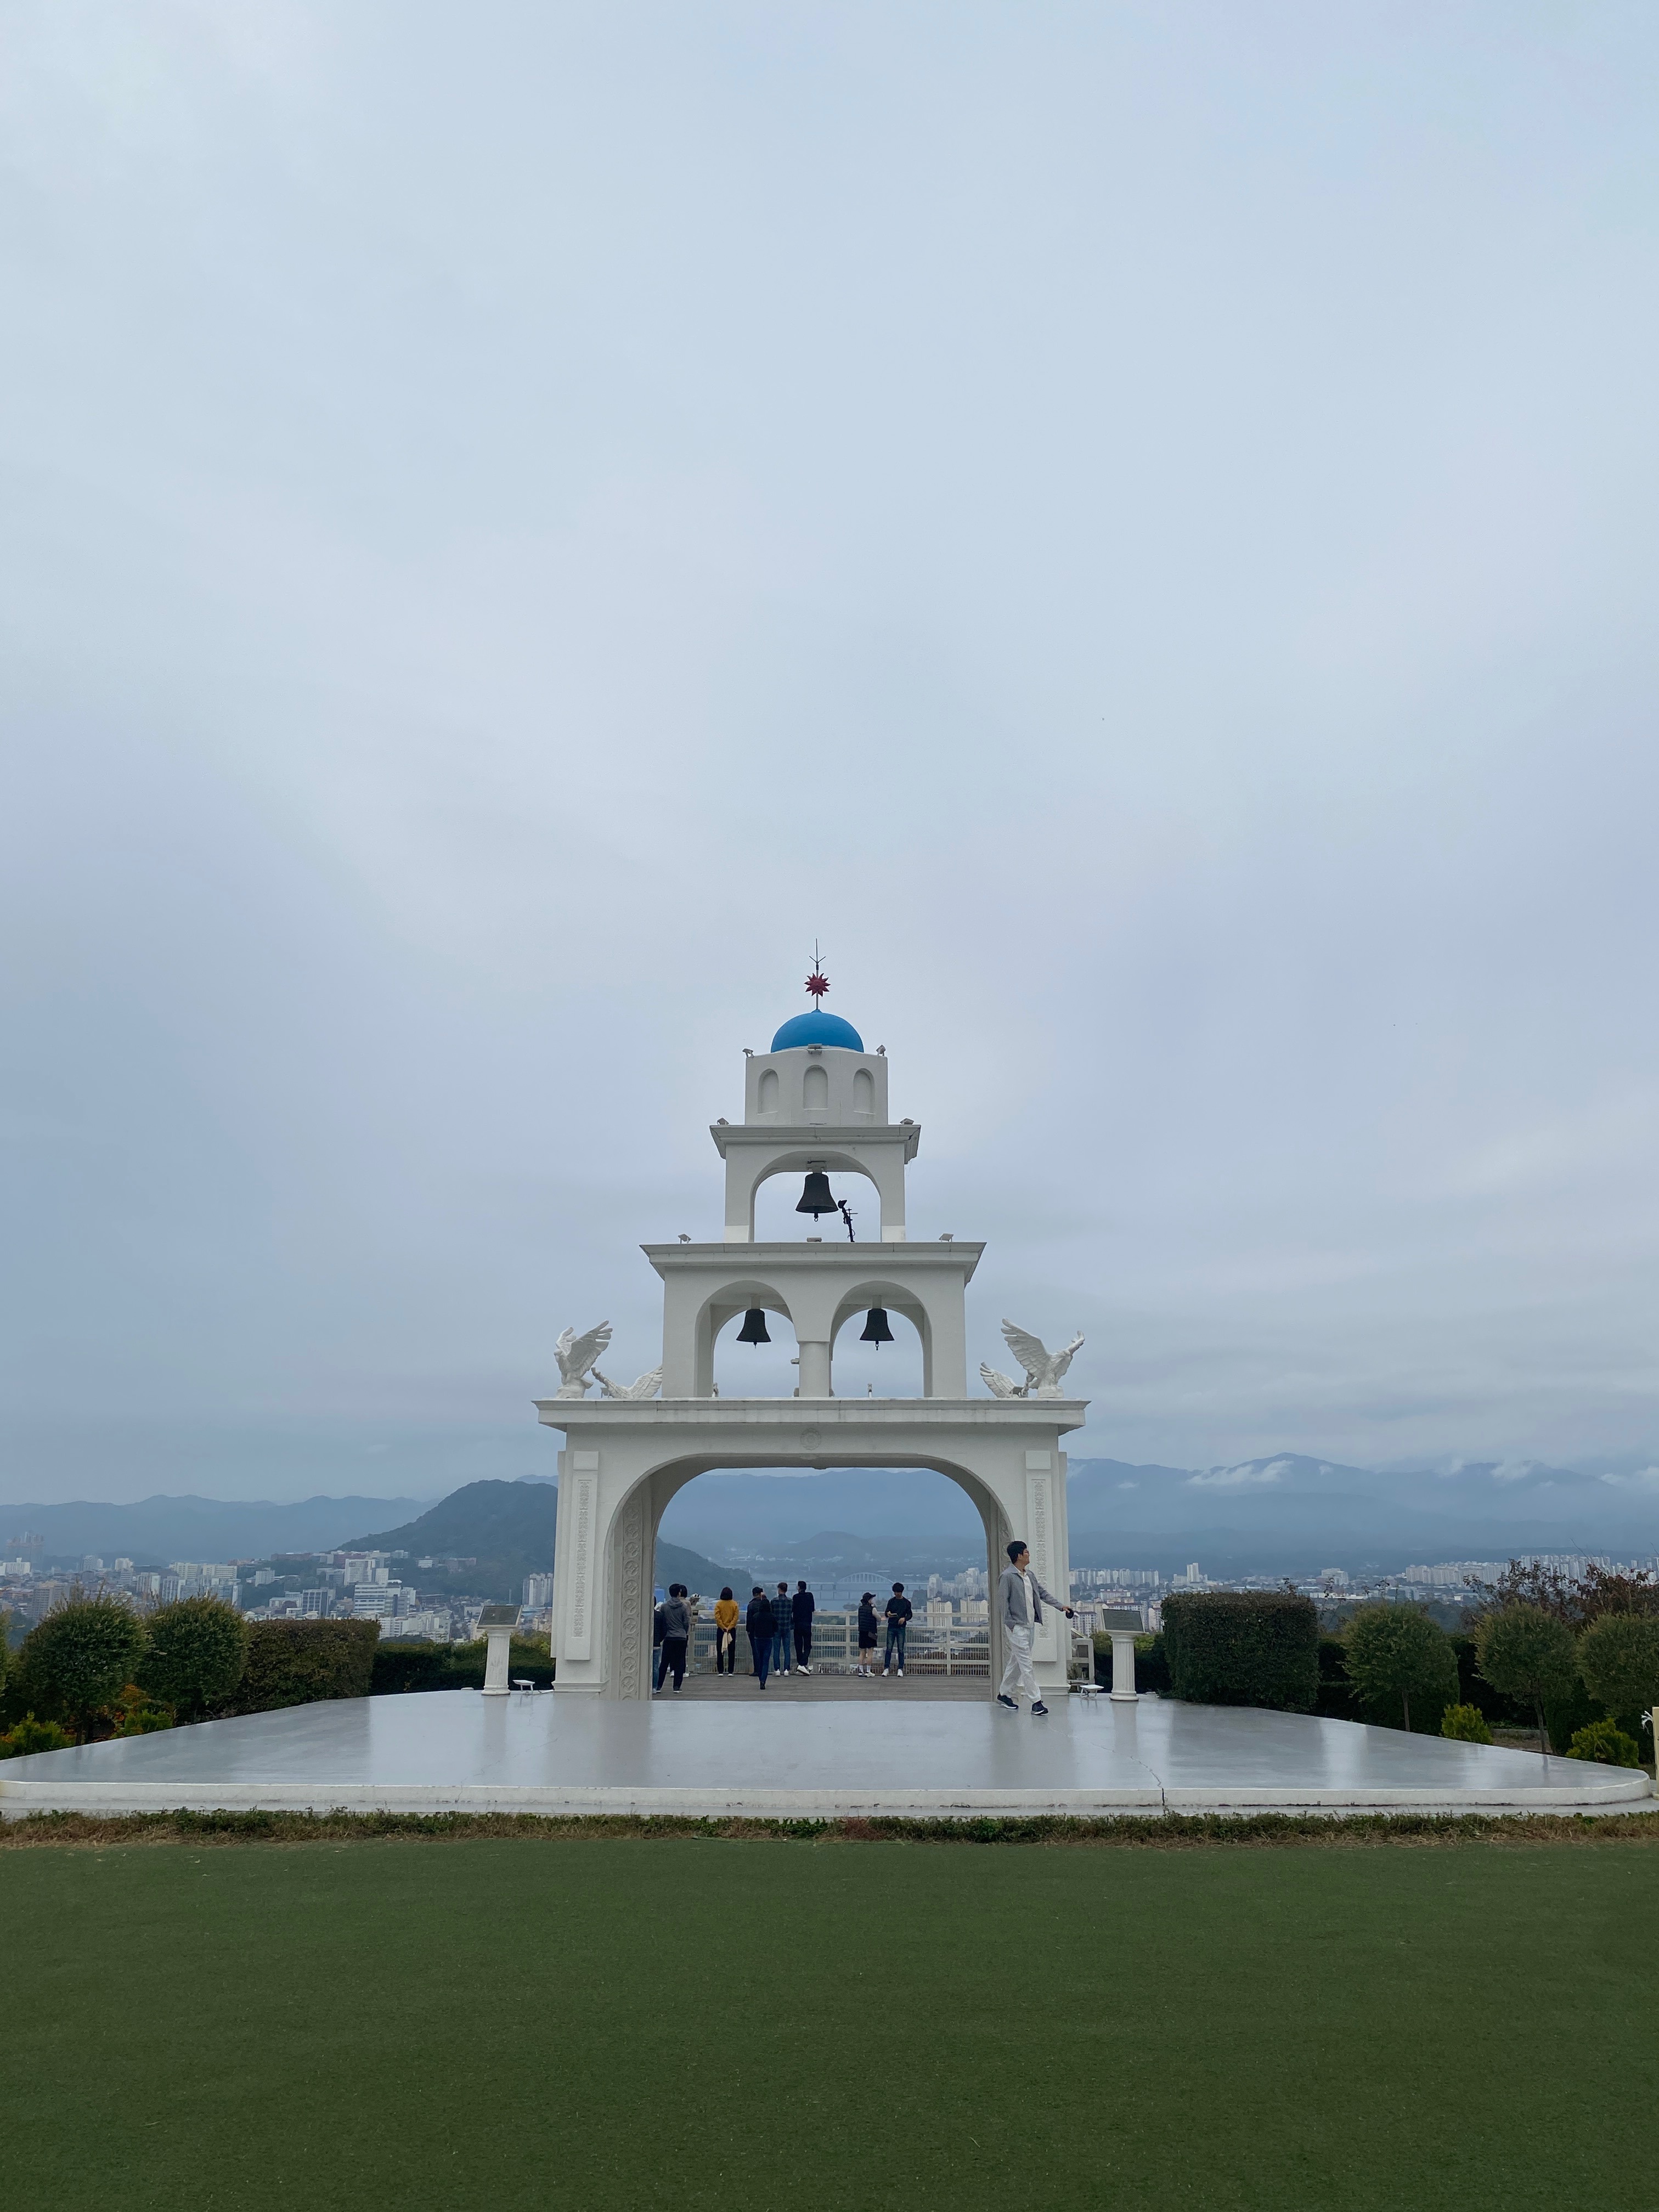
(962, 1648)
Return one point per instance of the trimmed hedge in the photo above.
(405, 1665)
(1243, 1648)
(297, 1663)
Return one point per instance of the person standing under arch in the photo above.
(758, 1622)
(869, 1635)
(783, 1629)
(675, 1631)
(899, 1610)
(727, 1617)
(803, 1606)
(1020, 1599)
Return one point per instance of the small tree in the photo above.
(1605, 1743)
(30, 1735)
(1465, 1724)
(196, 1655)
(1527, 1654)
(80, 1658)
(1397, 1651)
(1619, 1659)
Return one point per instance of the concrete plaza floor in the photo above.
(457, 1750)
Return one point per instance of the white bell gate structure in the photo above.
(816, 1101)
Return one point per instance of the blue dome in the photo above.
(817, 1028)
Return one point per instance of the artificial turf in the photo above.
(643, 2023)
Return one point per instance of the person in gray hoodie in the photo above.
(1020, 1600)
(675, 1629)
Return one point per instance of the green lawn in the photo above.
(677, 2024)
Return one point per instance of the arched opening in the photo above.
(864, 1096)
(756, 1370)
(777, 1222)
(815, 1091)
(861, 1370)
(768, 1101)
(842, 1530)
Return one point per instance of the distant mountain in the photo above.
(508, 1529)
(1287, 1513)
(157, 1530)
(1294, 1512)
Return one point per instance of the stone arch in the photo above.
(633, 1540)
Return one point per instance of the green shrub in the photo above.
(79, 1658)
(1335, 1700)
(1619, 1659)
(1529, 1655)
(1567, 1710)
(408, 1664)
(403, 1666)
(1243, 1648)
(30, 1735)
(1465, 1724)
(1152, 1664)
(1395, 1653)
(195, 1653)
(300, 1663)
(1474, 1689)
(1605, 1742)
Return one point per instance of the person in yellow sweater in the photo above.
(727, 1613)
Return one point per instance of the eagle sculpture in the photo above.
(1044, 1367)
(647, 1387)
(575, 1355)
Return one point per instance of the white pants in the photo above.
(1018, 1679)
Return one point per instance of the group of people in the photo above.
(780, 1630)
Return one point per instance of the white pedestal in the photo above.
(498, 1660)
(1123, 1667)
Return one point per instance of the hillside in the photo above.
(508, 1529)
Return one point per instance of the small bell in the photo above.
(754, 1328)
(815, 1199)
(876, 1330)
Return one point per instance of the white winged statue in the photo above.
(575, 1355)
(647, 1387)
(1044, 1367)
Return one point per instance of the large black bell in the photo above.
(754, 1328)
(876, 1330)
(815, 1199)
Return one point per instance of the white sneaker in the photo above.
(901, 1674)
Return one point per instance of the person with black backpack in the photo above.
(758, 1622)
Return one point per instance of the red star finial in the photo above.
(818, 983)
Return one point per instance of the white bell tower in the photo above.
(815, 1105)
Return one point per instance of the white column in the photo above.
(814, 1368)
(498, 1661)
(1123, 1667)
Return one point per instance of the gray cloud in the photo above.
(1136, 529)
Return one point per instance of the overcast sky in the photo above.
(1133, 525)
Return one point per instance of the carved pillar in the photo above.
(628, 1553)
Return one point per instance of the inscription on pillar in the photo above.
(630, 1556)
(1040, 1535)
(584, 1488)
